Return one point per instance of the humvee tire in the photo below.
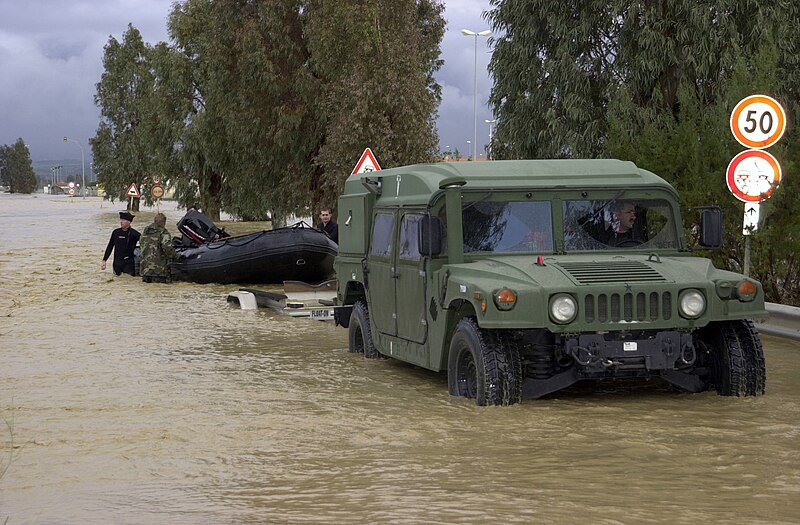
(481, 369)
(360, 334)
(737, 358)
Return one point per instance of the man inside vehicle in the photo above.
(621, 233)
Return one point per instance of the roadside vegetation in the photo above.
(259, 109)
(16, 168)
(655, 83)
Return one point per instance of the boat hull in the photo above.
(268, 257)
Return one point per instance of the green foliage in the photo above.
(553, 69)
(120, 146)
(17, 168)
(253, 128)
(655, 83)
(262, 107)
(376, 61)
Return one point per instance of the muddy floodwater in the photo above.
(125, 402)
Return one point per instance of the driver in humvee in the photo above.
(621, 233)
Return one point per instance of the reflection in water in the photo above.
(135, 403)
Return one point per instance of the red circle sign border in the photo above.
(730, 172)
(156, 188)
(769, 141)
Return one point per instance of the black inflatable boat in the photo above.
(210, 255)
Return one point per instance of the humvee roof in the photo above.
(418, 182)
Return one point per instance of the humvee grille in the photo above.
(611, 272)
(627, 307)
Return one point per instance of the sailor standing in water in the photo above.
(123, 242)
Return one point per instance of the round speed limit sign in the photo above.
(157, 191)
(758, 121)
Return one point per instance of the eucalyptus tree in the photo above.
(654, 82)
(557, 66)
(253, 128)
(121, 146)
(17, 168)
(376, 61)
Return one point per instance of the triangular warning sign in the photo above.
(366, 163)
(133, 191)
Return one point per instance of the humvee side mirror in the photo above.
(431, 232)
(711, 228)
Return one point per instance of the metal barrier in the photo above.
(783, 321)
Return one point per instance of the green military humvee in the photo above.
(521, 278)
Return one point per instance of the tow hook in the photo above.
(688, 356)
(582, 355)
(608, 363)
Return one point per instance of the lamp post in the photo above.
(490, 122)
(467, 32)
(83, 165)
(469, 148)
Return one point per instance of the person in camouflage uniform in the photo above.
(157, 252)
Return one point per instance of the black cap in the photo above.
(126, 215)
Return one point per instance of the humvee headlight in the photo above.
(563, 308)
(505, 299)
(746, 291)
(692, 304)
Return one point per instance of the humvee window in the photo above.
(409, 238)
(619, 223)
(382, 234)
(507, 226)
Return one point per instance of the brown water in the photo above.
(133, 403)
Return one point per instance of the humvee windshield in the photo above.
(505, 227)
(498, 226)
(619, 223)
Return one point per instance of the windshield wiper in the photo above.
(473, 203)
(614, 199)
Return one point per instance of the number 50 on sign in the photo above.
(758, 121)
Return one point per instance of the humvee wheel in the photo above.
(360, 334)
(737, 358)
(480, 369)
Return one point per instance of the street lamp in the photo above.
(83, 165)
(490, 122)
(469, 148)
(467, 32)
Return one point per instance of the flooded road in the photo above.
(122, 402)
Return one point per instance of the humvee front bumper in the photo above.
(594, 354)
(668, 354)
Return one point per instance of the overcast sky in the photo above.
(51, 58)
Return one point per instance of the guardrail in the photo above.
(783, 321)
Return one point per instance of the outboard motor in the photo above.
(197, 228)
